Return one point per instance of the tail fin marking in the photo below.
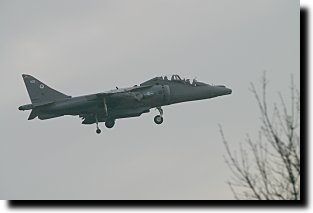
(40, 93)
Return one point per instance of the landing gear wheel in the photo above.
(98, 131)
(109, 123)
(158, 119)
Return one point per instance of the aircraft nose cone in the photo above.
(222, 90)
(228, 91)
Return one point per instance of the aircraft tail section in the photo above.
(40, 93)
(32, 115)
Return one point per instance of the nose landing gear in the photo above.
(159, 118)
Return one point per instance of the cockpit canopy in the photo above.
(178, 79)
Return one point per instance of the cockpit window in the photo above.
(178, 79)
(175, 78)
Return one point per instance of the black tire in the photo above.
(158, 119)
(98, 131)
(109, 123)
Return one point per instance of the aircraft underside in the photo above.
(110, 118)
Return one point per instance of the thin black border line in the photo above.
(304, 102)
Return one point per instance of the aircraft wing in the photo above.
(122, 90)
(122, 96)
(114, 98)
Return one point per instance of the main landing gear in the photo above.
(109, 124)
(159, 118)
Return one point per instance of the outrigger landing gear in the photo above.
(159, 118)
(98, 131)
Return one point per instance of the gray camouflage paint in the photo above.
(115, 104)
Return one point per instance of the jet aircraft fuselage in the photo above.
(118, 103)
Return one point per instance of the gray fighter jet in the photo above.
(108, 106)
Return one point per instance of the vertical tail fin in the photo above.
(40, 93)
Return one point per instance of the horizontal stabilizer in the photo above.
(44, 103)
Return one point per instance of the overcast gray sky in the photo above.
(82, 47)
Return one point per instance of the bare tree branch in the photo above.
(269, 167)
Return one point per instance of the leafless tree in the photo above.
(268, 168)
